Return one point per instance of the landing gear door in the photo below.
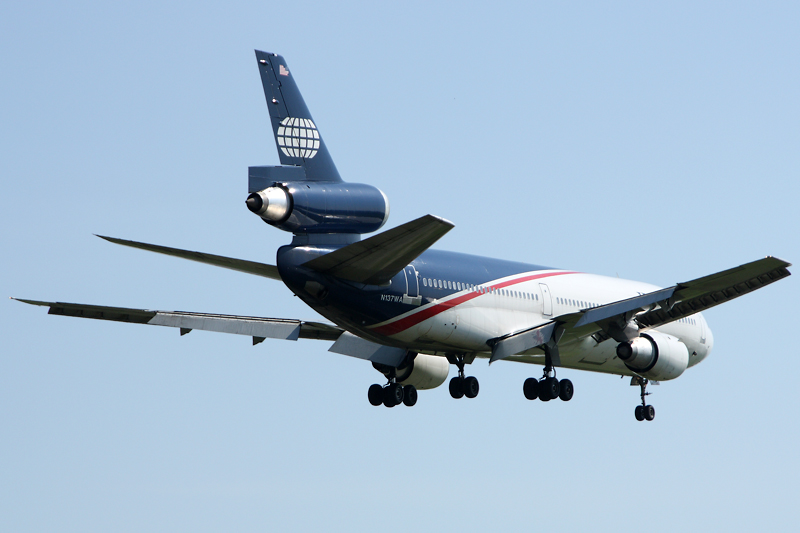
(412, 286)
(547, 301)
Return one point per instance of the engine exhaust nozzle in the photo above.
(254, 203)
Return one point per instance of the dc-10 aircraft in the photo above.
(412, 311)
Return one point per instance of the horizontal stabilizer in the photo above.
(522, 341)
(376, 260)
(241, 265)
(258, 328)
(349, 344)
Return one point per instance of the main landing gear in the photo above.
(392, 393)
(549, 387)
(461, 386)
(644, 411)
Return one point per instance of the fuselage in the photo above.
(453, 303)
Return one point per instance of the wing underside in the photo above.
(255, 327)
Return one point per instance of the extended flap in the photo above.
(522, 341)
(349, 344)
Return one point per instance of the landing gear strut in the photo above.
(392, 393)
(461, 386)
(549, 387)
(644, 411)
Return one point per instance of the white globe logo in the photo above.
(298, 137)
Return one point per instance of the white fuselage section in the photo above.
(463, 322)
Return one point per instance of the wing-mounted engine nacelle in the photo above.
(655, 356)
(320, 207)
(422, 371)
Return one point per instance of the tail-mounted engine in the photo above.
(320, 207)
(655, 356)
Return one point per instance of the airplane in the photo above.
(413, 311)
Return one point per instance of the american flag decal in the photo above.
(283, 72)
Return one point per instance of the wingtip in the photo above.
(443, 220)
(110, 239)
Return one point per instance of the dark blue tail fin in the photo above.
(296, 135)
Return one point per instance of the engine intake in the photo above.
(319, 207)
(655, 356)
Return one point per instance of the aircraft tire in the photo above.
(392, 394)
(649, 412)
(565, 390)
(471, 387)
(409, 395)
(639, 412)
(375, 394)
(457, 387)
(543, 394)
(531, 388)
(548, 389)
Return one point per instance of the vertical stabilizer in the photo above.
(296, 135)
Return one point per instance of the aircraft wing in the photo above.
(378, 259)
(258, 328)
(249, 267)
(706, 292)
(684, 299)
(647, 310)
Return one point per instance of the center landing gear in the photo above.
(549, 387)
(644, 411)
(392, 394)
(461, 386)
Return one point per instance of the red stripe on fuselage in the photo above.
(403, 324)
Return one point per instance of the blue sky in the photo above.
(654, 142)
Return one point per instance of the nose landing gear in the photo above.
(644, 411)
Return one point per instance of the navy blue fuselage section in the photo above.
(320, 207)
(356, 306)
